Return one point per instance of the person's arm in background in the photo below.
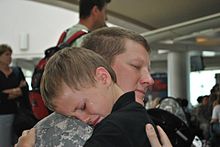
(28, 138)
(13, 92)
(215, 112)
(21, 89)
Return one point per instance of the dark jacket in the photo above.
(124, 127)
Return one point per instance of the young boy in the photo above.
(79, 83)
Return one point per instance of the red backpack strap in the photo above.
(62, 36)
(76, 36)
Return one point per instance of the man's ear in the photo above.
(103, 76)
(95, 10)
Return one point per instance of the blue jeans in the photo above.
(6, 130)
(215, 134)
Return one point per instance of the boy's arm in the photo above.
(27, 139)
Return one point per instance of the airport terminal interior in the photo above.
(184, 37)
(177, 31)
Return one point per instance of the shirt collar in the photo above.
(124, 100)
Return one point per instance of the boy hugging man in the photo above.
(79, 83)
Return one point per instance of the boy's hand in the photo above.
(27, 139)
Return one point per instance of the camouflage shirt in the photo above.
(57, 130)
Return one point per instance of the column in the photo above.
(178, 74)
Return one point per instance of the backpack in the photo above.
(39, 109)
(179, 134)
(174, 106)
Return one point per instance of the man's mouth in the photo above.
(140, 91)
(139, 96)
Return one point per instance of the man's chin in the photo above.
(139, 100)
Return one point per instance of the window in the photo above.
(201, 83)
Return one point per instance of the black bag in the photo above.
(24, 119)
(178, 132)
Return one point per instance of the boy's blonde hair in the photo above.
(73, 66)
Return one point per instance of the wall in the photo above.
(40, 23)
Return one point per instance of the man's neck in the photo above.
(86, 22)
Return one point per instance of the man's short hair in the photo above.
(85, 6)
(199, 99)
(110, 41)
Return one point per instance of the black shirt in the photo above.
(124, 127)
(12, 81)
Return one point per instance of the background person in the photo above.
(13, 91)
(215, 118)
(92, 15)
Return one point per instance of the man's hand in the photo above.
(154, 141)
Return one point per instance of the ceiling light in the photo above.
(208, 53)
(162, 51)
(201, 39)
(167, 41)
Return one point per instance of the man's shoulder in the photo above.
(119, 127)
(127, 115)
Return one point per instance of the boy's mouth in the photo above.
(96, 120)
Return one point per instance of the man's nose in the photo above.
(147, 79)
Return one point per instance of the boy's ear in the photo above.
(103, 76)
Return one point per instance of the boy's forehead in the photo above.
(63, 90)
(64, 93)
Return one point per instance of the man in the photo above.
(128, 54)
(92, 15)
